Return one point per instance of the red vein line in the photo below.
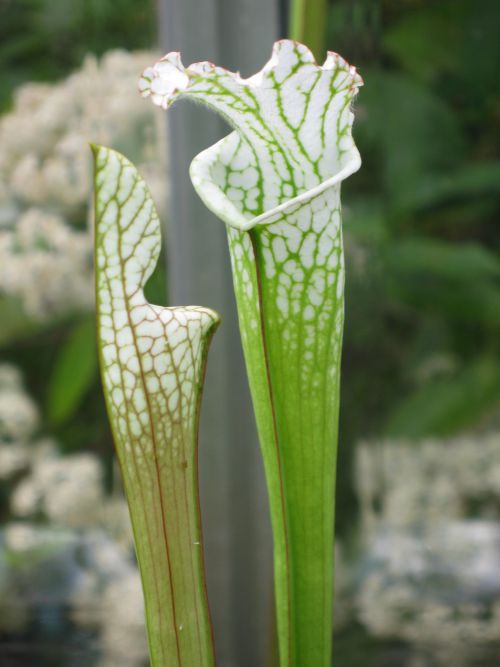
(99, 249)
(201, 553)
(155, 448)
(253, 241)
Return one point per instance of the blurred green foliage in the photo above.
(74, 372)
(422, 339)
(423, 304)
(44, 40)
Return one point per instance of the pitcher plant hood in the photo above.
(292, 123)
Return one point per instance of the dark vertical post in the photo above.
(237, 34)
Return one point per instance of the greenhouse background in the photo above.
(418, 499)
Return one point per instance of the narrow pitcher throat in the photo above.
(216, 199)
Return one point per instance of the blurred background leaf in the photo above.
(443, 406)
(15, 324)
(75, 371)
(43, 40)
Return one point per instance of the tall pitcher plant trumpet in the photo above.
(275, 183)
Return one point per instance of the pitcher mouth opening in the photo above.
(216, 199)
(292, 122)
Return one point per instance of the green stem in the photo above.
(308, 20)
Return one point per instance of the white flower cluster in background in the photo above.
(45, 176)
(46, 263)
(108, 598)
(63, 521)
(67, 491)
(96, 581)
(437, 587)
(19, 419)
(429, 572)
(19, 415)
(400, 483)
